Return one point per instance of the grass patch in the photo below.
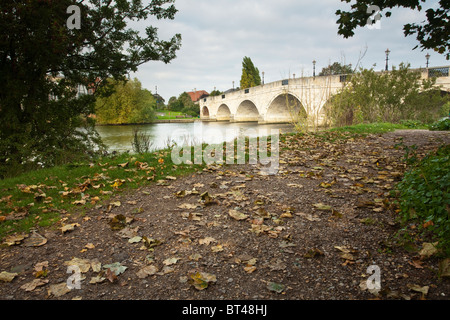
(370, 128)
(38, 198)
(168, 114)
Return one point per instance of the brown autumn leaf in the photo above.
(7, 276)
(30, 286)
(35, 240)
(235, 214)
(14, 239)
(69, 227)
(110, 275)
(147, 271)
(206, 240)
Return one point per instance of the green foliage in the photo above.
(424, 196)
(250, 74)
(215, 93)
(440, 125)
(386, 97)
(412, 124)
(128, 104)
(431, 34)
(184, 104)
(336, 68)
(43, 121)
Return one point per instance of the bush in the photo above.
(425, 199)
(440, 125)
(412, 124)
(141, 142)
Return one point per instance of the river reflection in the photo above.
(119, 138)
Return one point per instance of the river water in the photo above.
(119, 138)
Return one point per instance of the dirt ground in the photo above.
(309, 232)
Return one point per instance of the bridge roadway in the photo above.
(282, 101)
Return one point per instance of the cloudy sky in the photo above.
(281, 37)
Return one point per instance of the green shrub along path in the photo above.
(139, 227)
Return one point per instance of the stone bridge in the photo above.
(282, 101)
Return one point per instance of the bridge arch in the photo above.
(223, 113)
(285, 107)
(205, 112)
(246, 111)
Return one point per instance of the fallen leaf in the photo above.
(217, 248)
(59, 289)
(311, 253)
(118, 222)
(128, 232)
(83, 264)
(428, 249)
(170, 261)
(195, 256)
(41, 269)
(135, 239)
(276, 287)
(97, 279)
(147, 271)
(123, 165)
(308, 216)
(115, 203)
(35, 240)
(116, 267)
(416, 264)
(206, 240)
(201, 280)
(321, 206)
(89, 246)
(235, 214)
(150, 243)
(414, 287)
(96, 265)
(7, 276)
(187, 206)
(14, 239)
(30, 286)
(249, 269)
(69, 227)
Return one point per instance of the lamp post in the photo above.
(428, 58)
(387, 58)
(314, 68)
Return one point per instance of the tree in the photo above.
(184, 104)
(250, 74)
(128, 104)
(432, 34)
(336, 68)
(386, 97)
(43, 61)
(215, 93)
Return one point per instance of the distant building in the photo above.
(197, 95)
